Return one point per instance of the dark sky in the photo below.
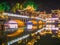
(51, 4)
(45, 4)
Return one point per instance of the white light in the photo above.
(13, 41)
(15, 15)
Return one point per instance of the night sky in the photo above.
(43, 4)
(51, 4)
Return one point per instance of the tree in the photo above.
(4, 6)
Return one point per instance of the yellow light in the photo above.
(19, 41)
(17, 5)
(30, 8)
(3, 44)
(40, 26)
(32, 34)
(40, 22)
